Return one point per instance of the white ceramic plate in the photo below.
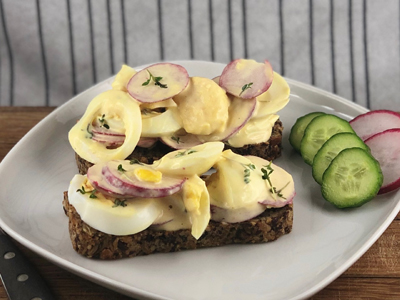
(324, 242)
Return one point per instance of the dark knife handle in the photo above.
(20, 279)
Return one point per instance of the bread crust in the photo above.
(89, 242)
(269, 150)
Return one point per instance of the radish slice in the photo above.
(158, 82)
(96, 178)
(385, 147)
(108, 139)
(140, 180)
(246, 78)
(145, 142)
(239, 113)
(181, 140)
(375, 121)
(105, 131)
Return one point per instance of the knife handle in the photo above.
(20, 279)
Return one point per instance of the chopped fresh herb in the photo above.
(266, 176)
(121, 169)
(88, 130)
(246, 87)
(156, 81)
(146, 111)
(246, 172)
(103, 122)
(177, 139)
(186, 152)
(135, 161)
(83, 192)
(119, 202)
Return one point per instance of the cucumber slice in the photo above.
(331, 148)
(297, 131)
(353, 178)
(319, 130)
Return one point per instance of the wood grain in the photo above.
(376, 275)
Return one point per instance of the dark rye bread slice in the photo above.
(89, 242)
(269, 150)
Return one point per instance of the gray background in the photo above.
(53, 49)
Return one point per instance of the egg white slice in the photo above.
(186, 162)
(103, 214)
(165, 123)
(109, 102)
(197, 203)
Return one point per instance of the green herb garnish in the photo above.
(246, 87)
(119, 202)
(103, 123)
(87, 129)
(247, 169)
(121, 169)
(186, 152)
(156, 81)
(266, 176)
(83, 192)
(135, 161)
(177, 139)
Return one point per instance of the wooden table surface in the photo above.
(376, 275)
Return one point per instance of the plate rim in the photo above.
(121, 287)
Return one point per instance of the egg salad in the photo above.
(163, 103)
(122, 197)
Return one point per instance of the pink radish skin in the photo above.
(375, 121)
(239, 113)
(240, 72)
(108, 139)
(132, 186)
(95, 176)
(101, 130)
(146, 142)
(385, 147)
(175, 77)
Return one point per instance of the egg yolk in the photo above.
(191, 198)
(148, 175)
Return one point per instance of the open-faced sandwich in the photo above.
(142, 149)
(125, 208)
(159, 109)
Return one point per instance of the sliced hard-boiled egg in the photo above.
(122, 78)
(243, 187)
(196, 160)
(132, 179)
(236, 182)
(110, 215)
(197, 202)
(254, 131)
(203, 106)
(159, 124)
(109, 102)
